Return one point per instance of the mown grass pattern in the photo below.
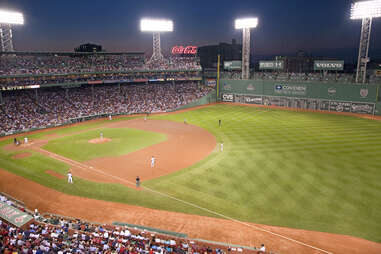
(295, 169)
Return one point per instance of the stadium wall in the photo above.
(355, 98)
(210, 98)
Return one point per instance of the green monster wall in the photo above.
(316, 96)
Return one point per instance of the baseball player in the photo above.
(101, 135)
(219, 123)
(152, 162)
(26, 140)
(110, 117)
(222, 146)
(69, 177)
(137, 182)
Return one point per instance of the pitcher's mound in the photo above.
(99, 140)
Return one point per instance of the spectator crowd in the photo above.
(63, 235)
(26, 109)
(58, 64)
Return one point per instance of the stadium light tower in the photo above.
(156, 26)
(245, 25)
(364, 10)
(7, 19)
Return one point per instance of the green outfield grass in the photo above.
(123, 141)
(294, 169)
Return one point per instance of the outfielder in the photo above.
(222, 147)
(69, 177)
(101, 135)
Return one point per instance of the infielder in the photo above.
(69, 177)
(152, 162)
(222, 147)
(137, 181)
(26, 140)
(101, 135)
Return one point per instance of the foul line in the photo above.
(86, 167)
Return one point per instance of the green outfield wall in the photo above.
(207, 99)
(337, 97)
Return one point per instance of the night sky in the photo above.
(320, 27)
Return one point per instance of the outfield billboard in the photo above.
(328, 65)
(271, 65)
(290, 89)
(233, 65)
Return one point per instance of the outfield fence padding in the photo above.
(353, 98)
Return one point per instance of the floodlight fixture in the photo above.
(246, 23)
(366, 9)
(7, 19)
(156, 26)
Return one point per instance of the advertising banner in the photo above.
(184, 50)
(211, 82)
(340, 106)
(328, 65)
(228, 97)
(271, 65)
(290, 89)
(249, 99)
(362, 108)
(233, 65)
(14, 215)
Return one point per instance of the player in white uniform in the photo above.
(152, 162)
(222, 147)
(26, 140)
(69, 177)
(101, 135)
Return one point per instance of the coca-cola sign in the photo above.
(188, 50)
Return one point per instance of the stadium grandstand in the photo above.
(45, 90)
(52, 233)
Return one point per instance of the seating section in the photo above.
(63, 235)
(26, 109)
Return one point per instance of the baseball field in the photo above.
(301, 170)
